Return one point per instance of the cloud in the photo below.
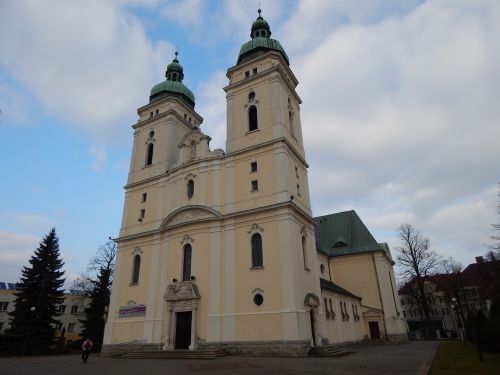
(100, 157)
(212, 106)
(400, 115)
(87, 62)
(15, 250)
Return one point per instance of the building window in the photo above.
(255, 185)
(254, 71)
(74, 309)
(247, 74)
(253, 166)
(296, 172)
(157, 112)
(62, 309)
(326, 309)
(298, 190)
(258, 299)
(251, 95)
(71, 327)
(252, 118)
(151, 134)
(322, 269)
(136, 269)
(149, 157)
(257, 260)
(331, 309)
(3, 306)
(150, 114)
(144, 197)
(290, 121)
(304, 252)
(142, 214)
(59, 326)
(186, 263)
(190, 189)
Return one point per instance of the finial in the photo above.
(259, 11)
(176, 53)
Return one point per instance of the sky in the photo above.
(400, 112)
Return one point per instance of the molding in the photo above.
(136, 251)
(187, 239)
(164, 225)
(255, 228)
(188, 214)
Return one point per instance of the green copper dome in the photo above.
(261, 42)
(173, 84)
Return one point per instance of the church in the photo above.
(218, 249)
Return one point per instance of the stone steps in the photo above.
(327, 351)
(174, 354)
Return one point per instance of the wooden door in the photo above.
(183, 330)
(374, 330)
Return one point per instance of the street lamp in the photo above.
(461, 329)
(32, 310)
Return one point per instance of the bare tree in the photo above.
(495, 237)
(417, 261)
(104, 259)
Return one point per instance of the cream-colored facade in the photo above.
(71, 311)
(217, 249)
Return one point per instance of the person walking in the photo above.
(86, 346)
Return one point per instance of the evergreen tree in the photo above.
(98, 288)
(93, 324)
(39, 293)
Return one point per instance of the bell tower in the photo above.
(262, 104)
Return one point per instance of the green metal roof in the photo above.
(173, 84)
(344, 233)
(261, 42)
(171, 87)
(328, 285)
(259, 45)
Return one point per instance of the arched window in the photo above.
(149, 158)
(304, 251)
(290, 121)
(186, 263)
(252, 118)
(190, 189)
(257, 260)
(136, 269)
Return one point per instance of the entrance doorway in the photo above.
(183, 329)
(374, 330)
(313, 326)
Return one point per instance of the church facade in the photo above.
(219, 249)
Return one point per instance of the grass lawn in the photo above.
(453, 358)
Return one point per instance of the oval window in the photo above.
(258, 299)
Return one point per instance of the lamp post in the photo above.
(32, 310)
(461, 329)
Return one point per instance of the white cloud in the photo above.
(15, 250)
(100, 157)
(86, 62)
(212, 106)
(401, 116)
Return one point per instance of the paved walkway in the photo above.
(406, 359)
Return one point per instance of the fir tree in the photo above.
(93, 324)
(39, 293)
(98, 288)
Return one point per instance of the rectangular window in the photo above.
(142, 214)
(144, 197)
(253, 166)
(255, 185)
(3, 306)
(74, 309)
(247, 74)
(296, 172)
(71, 327)
(62, 309)
(298, 190)
(254, 70)
(59, 326)
(157, 112)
